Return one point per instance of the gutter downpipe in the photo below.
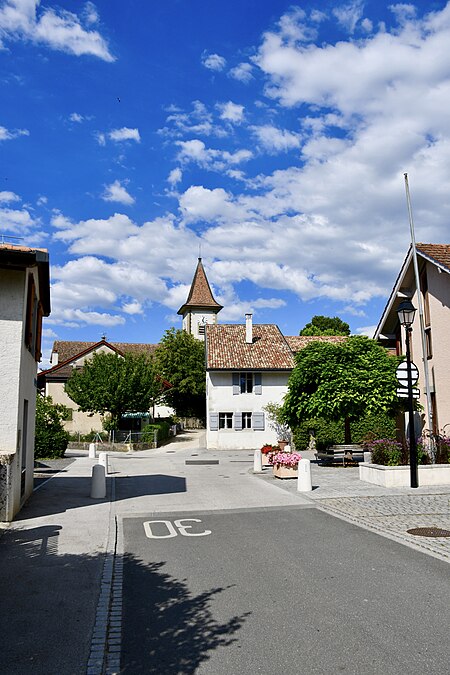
(431, 447)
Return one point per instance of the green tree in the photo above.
(110, 383)
(326, 325)
(50, 437)
(180, 360)
(343, 381)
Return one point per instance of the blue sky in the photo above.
(271, 137)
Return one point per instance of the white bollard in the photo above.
(98, 484)
(257, 462)
(103, 461)
(304, 476)
(92, 450)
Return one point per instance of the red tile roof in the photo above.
(200, 295)
(226, 348)
(439, 253)
(69, 349)
(298, 342)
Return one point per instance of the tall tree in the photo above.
(109, 383)
(180, 359)
(341, 381)
(326, 325)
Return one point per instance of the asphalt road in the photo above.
(278, 591)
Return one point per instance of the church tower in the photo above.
(200, 308)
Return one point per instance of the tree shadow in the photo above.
(167, 628)
(49, 604)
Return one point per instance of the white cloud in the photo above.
(132, 308)
(7, 197)
(231, 112)
(7, 135)
(348, 15)
(175, 176)
(125, 134)
(76, 117)
(58, 29)
(215, 160)
(116, 192)
(19, 221)
(242, 72)
(213, 61)
(275, 140)
(90, 13)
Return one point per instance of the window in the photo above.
(428, 342)
(225, 420)
(246, 383)
(426, 298)
(33, 321)
(201, 328)
(246, 420)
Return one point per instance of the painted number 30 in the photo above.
(173, 527)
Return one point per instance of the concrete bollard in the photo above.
(257, 462)
(304, 483)
(367, 457)
(98, 483)
(103, 461)
(92, 451)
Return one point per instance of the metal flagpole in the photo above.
(421, 318)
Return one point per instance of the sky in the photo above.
(269, 138)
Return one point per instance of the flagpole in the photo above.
(421, 317)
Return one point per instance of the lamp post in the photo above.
(406, 312)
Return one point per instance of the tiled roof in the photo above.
(68, 349)
(298, 342)
(200, 294)
(227, 349)
(20, 249)
(440, 253)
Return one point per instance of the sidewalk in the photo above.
(57, 568)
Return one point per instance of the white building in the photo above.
(24, 300)
(247, 366)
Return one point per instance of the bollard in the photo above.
(367, 457)
(103, 461)
(257, 462)
(92, 450)
(98, 484)
(304, 476)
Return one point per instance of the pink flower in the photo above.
(287, 458)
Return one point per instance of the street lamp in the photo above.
(406, 312)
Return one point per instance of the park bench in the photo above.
(337, 453)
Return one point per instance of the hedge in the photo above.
(330, 433)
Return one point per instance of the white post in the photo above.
(257, 462)
(92, 450)
(304, 483)
(98, 484)
(103, 461)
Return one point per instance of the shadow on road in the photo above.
(166, 628)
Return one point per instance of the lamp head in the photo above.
(406, 312)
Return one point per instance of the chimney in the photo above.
(54, 358)
(248, 329)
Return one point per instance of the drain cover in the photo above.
(202, 461)
(429, 532)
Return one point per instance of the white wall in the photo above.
(192, 320)
(220, 398)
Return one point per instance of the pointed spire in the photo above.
(200, 296)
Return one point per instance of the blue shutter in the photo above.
(213, 421)
(236, 385)
(257, 387)
(258, 421)
(238, 421)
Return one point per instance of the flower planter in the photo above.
(265, 460)
(282, 471)
(399, 476)
(282, 445)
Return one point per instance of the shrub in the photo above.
(442, 449)
(50, 441)
(385, 451)
(162, 428)
(331, 433)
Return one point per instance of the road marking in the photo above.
(171, 531)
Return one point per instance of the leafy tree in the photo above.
(180, 360)
(50, 437)
(326, 325)
(343, 381)
(109, 383)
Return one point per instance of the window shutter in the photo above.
(213, 421)
(238, 421)
(258, 421)
(257, 388)
(236, 385)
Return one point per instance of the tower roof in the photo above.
(200, 295)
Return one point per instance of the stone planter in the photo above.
(399, 476)
(265, 460)
(283, 471)
(282, 445)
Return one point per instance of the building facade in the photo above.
(24, 301)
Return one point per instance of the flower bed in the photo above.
(285, 464)
(399, 476)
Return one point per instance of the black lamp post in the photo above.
(406, 312)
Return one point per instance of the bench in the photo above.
(346, 453)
